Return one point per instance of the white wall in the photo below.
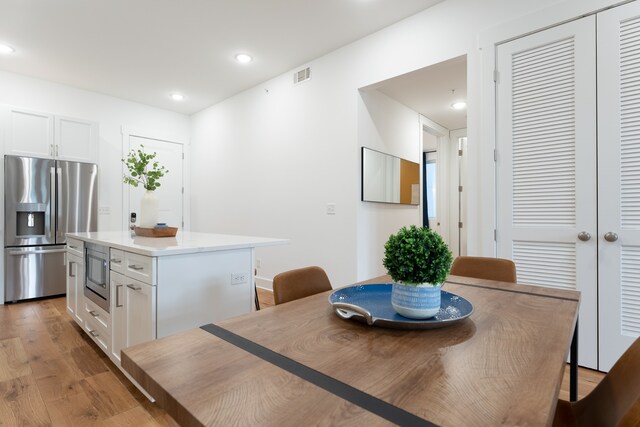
(388, 126)
(300, 145)
(111, 113)
(268, 163)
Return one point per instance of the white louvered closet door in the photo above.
(619, 179)
(546, 164)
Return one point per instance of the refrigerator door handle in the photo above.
(58, 201)
(36, 251)
(52, 211)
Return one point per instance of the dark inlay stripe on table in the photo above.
(366, 401)
(515, 291)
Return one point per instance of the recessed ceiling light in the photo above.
(6, 49)
(243, 58)
(459, 105)
(177, 96)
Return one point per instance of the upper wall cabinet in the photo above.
(76, 139)
(37, 134)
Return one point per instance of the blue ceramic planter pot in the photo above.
(416, 302)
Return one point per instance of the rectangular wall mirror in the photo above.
(389, 179)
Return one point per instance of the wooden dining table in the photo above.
(300, 364)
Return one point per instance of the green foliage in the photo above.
(417, 255)
(143, 169)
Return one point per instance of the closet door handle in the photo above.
(584, 236)
(610, 237)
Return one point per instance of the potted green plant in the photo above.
(418, 261)
(146, 171)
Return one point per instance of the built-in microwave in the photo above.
(96, 278)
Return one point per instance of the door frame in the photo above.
(442, 135)
(127, 133)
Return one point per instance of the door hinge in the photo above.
(495, 75)
(182, 156)
(495, 155)
(495, 235)
(460, 152)
(182, 224)
(460, 189)
(182, 190)
(460, 225)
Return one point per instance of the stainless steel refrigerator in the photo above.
(43, 200)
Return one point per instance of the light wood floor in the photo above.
(51, 373)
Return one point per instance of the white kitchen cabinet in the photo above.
(75, 140)
(38, 134)
(118, 319)
(29, 133)
(133, 313)
(75, 279)
(140, 312)
(140, 267)
(97, 324)
(163, 286)
(75, 287)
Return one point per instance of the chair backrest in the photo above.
(616, 399)
(299, 283)
(503, 270)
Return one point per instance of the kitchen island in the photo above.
(149, 288)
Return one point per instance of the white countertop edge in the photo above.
(149, 245)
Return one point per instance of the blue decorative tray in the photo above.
(372, 304)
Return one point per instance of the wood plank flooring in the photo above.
(52, 374)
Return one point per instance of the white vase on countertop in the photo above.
(149, 207)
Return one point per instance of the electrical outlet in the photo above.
(104, 210)
(238, 278)
(331, 208)
(258, 263)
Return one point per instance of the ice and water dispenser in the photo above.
(31, 220)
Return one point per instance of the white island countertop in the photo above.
(185, 242)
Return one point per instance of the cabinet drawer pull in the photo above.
(115, 260)
(118, 296)
(73, 247)
(94, 334)
(136, 267)
(71, 274)
(94, 314)
(135, 288)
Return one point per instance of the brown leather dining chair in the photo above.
(500, 269)
(614, 402)
(299, 283)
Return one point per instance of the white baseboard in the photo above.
(265, 284)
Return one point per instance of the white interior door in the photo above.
(170, 193)
(619, 179)
(546, 165)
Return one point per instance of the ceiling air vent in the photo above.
(301, 76)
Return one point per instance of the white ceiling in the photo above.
(143, 50)
(429, 91)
